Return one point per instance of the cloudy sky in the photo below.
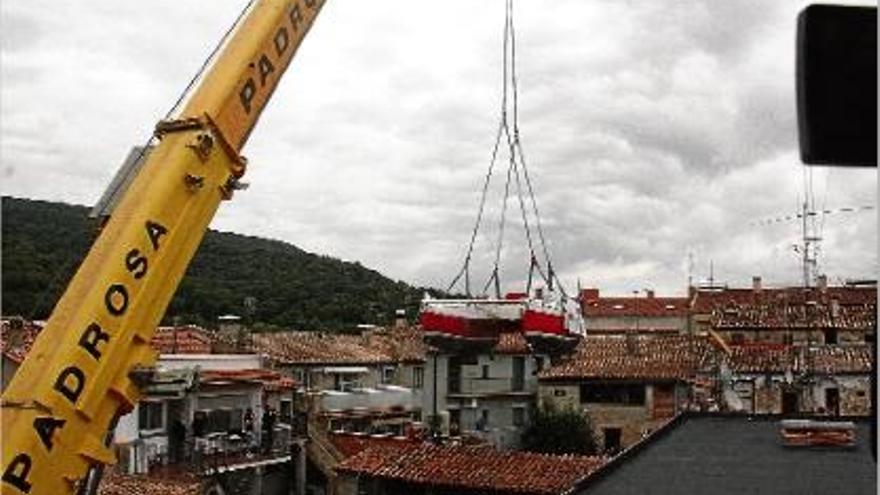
(655, 132)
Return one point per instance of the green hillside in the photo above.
(44, 242)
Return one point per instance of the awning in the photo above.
(352, 370)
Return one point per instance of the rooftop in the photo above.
(823, 359)
(16, 338)
(188, 339)
(313, 348)
(462, 467)
(666, 357)
(162, 482)
(594, 305)
(736, 455)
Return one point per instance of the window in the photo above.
(830, 335)
(519, 416)
(418, 377)
(388, 374)
(605, 393)
(485, 371)
(345, 382)
(483, 422)
(453, 377)
(224, 420)
(150, 415)
(286, 412)
(519, 374)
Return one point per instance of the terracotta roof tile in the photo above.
(271, 380)
(188, 339)
(164, 482)
(17, 337)
(473, 468)
(317, 348)
(611, 357)
(823, 359)
(404, 344)
(350, 444)
(512, 343)
(648, 307)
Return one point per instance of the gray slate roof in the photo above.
(725, 455)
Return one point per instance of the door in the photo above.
(519, 374)
(612, 440)
(832, 401)
(789, 402)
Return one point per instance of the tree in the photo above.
(565, 431)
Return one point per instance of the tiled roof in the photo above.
(833, 359)
(789, 316)
(165, 482)
(761, 358)
(17, 337)
(705, 301)
(188, 339)
(403, 345)
(349, 444)
(657, 357)
(512, 343)
(271, 380)
(648, 307)
(822, 359)
(460, 467)
(303, 348)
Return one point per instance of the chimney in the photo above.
(650, 293)
(631, 344)
(588, 295)
(400, 318)
(835, 308)
(756, 284)
(822, 283)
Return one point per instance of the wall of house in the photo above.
(634, 421)
(855, 394)
(679, 322)
(854, 390)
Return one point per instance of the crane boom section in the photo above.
(80, 373)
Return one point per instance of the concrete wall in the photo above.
(493, 394)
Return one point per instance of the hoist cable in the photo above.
(465, 269)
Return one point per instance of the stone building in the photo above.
(627, 385)
(832, 380)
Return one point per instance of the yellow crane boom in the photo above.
(77, 379)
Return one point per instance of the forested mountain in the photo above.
(44, 243)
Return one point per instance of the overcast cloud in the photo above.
(652, 130)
